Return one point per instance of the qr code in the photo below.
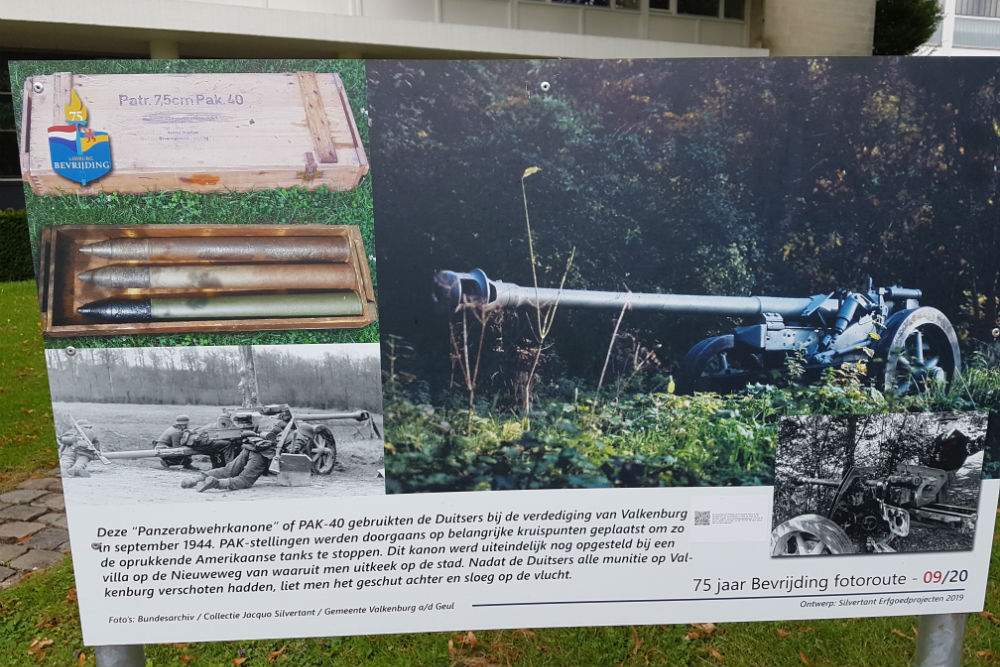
(702, 518)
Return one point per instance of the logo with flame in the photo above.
(78, 153)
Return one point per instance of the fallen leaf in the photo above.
(707, 628)
(179, 645)
(990, 616)
(186, 658)
(523, 631)
(782, 633)
(715, 654)
(692, 635)
(471, 661)
(470, 639)
(238, 661)
(805, 660)
(636, 642)
(41, 656)
(459, 657)
(529, 171)
(901, 634)
(37, 644)
(81, 659)
(71, 596)
(272, 656)
(987, 654)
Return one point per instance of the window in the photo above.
(984, 8)
(698, 7)
(591, 3)
(727, 9)
(11, 194)
(734, 9)
(617, 4)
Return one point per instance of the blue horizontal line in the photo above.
(746, 597)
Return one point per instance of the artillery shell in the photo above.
(326, 304)
(223, 249)
(224, 276)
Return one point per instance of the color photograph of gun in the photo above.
(628, 275)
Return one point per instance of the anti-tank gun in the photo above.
(904, 344)
(868, 511)
(222, 440)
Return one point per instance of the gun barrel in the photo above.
(818, 481)
(150, 453)
(357, 415)
(454, 289)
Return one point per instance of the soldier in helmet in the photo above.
(177, 435)
(253, 461)
(301, 439)
(272, 429)
(75, 452)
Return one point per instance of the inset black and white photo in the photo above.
(883, 483)
(242, 422)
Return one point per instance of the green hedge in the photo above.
(15, 251)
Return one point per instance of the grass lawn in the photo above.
(40, 624)
(27, 441)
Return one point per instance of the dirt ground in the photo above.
(122, 427)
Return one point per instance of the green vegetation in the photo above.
(903, 25)
(294, 206)
(640, 438)
(27, 441)
(15, 254)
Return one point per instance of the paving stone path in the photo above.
(33, 531)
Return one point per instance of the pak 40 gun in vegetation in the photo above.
(906, 344)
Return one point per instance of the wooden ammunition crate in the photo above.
(199, 132)
(61, 293)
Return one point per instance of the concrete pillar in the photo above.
(948, 27)
(819, 27)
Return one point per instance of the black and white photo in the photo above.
(217, 423)
(882, 483)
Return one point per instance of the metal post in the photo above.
(939, 640)
(120, 656)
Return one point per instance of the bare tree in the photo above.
(248, 378)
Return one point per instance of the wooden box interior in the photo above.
(61, 293)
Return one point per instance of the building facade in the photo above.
(439, 28)
(417, 29)
(969, 28)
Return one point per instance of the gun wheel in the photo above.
(323, 451)
(810, 535)
(919, 347)
(715, 364)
